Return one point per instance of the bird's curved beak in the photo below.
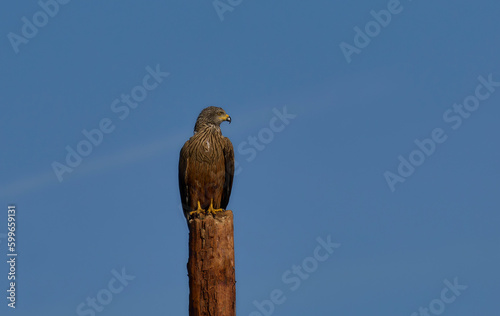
(228, 118)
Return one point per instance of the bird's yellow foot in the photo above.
(212, 210)
(198, 211)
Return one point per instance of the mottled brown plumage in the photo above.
(206, 164)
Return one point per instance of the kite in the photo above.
(206, 165)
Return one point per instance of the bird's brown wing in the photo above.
(229, 171)
(183, 163)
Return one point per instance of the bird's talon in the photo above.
(212, 210)
(198, 211)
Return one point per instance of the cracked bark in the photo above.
(212, 285)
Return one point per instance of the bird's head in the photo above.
(211, 116)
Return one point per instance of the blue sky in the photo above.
(426, 238)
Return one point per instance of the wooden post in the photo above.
(212, 285)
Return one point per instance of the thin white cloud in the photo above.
(111, 161)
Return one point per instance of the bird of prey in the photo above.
(206, 165)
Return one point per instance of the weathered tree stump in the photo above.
(212, 285)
